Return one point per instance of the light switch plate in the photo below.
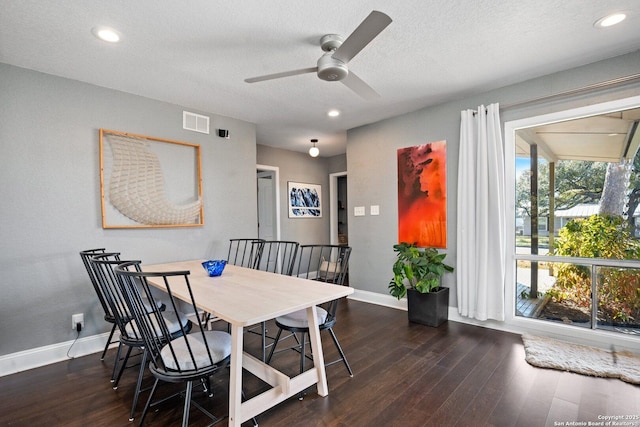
(375, 210)
(358, 211)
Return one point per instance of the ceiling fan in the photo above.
(332, 66)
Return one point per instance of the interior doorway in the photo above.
(268, 194)
(339, 222)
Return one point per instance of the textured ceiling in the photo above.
(197, 53)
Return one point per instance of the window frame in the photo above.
(510, 128)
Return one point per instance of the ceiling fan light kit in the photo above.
(331, 69)
(333, 64)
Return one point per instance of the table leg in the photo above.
(316, 348)
(235, 377)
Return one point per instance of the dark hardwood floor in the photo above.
(404, 375)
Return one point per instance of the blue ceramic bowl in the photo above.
(214, 267)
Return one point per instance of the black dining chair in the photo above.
(175, 322)
(326, 263)
(188, 358)
(275, 256)
(86, 256)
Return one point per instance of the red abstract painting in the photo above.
(422, 195)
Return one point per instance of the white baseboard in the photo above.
(41, 356)
(584, 336)
(378, 299)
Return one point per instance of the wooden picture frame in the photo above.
(304, 200)
(149, 182)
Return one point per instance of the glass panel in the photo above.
(532, 206)
(619, 299)
(577, 194)
(561, 292)
(568, 299)
(526, 303)
(568, 171)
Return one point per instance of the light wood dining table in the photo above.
(245, 297)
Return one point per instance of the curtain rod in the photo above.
(585, 89)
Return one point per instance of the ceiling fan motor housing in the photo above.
(331, 69)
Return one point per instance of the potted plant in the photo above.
(417, 273)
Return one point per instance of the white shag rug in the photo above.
(549, 353)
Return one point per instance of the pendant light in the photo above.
(314, 151)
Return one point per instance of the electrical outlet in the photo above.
(75, 319)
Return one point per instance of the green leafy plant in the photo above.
(527, 295)
(599, 236)
(416, 268)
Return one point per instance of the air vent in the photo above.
(195, 122)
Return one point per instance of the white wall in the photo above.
(50, 198)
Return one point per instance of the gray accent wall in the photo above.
(300, 167)
(372, 161)
(50, 198)
(337, 163)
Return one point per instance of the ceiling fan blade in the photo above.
(357, 85)
(280, 75)
(362, 36)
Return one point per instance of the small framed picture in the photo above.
(305, 200)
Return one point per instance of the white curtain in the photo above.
(481, 249)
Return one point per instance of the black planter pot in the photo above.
(431, 309)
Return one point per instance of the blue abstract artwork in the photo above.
(304, 200)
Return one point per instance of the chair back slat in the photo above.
(86, 260)
(103, 266)
(325, 263)
(244, 252)
(277, 256)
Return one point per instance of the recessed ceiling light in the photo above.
(609, 20)
(107, 34)
(333, 113)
